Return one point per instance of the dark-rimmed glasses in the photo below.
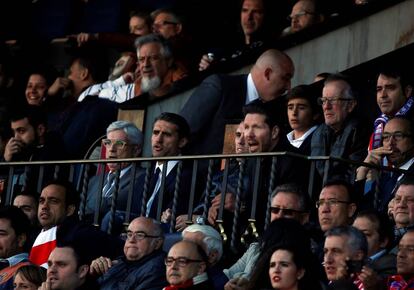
(181, 261)
(330, 202)
(138, 235)
(332, 101)
(298, 15)
(398, 136)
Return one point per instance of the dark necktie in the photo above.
(153, 181)
(108, 185)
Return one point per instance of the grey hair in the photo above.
(348, 91)
(212, 238)
(294, 189)
(174, 16)
(150, 38)
(133, 133)
(356, 240)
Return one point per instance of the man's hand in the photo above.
(181, 222)
(236, 284)
(59, 84)
(370, 278)
(229, 204)
(229, 201)
(129, 77)
(205, 62)
(45, 285)
(100, 266)
(13, 146)
(166, 216)
(374, 157)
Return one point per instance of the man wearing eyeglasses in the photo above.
(156, 68)
(186, 267)
(305, 13)
(342, 135)
(335, 205)
(123, 140)
(142, 266)
(397, 151)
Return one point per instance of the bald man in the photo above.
(186, 267)
(221, 97)
(142, 266)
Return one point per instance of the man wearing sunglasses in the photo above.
(396, 150)
(142, 266)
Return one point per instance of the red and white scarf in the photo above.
(43, 246)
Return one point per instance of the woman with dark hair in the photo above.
(29, 277)
(281, 231)
(285, 267)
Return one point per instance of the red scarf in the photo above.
(184, 285)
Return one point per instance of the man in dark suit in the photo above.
(397, 149)
(169, 137)
(378, 230)
(124, 140)
(220, 98)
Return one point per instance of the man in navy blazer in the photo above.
(220, 98)
(169, 137)
(124, 140)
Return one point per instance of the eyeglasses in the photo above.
(398, 136)
(181, 261)
(163, 23)
(138, 235)
(117, 144)
(298, 15)
(331, 101)
(330, 202)
(150, 58)
(284, 211)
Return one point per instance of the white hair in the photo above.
(212, 238)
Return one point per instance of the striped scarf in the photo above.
(380, 122)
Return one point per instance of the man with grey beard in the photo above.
(156, 73)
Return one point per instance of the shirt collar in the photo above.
(407, 164)
(298, 141)
(252, 93)
(170, 166)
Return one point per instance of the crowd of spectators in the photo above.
(172, 224)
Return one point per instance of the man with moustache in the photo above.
(398, 151)
(158, 72)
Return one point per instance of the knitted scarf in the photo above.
(380, 122)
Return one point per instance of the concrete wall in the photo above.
(335, 51)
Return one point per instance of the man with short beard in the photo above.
(158, 72)
(31, 142)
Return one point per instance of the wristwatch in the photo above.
(200, 220)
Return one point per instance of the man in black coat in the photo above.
(220, 98)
